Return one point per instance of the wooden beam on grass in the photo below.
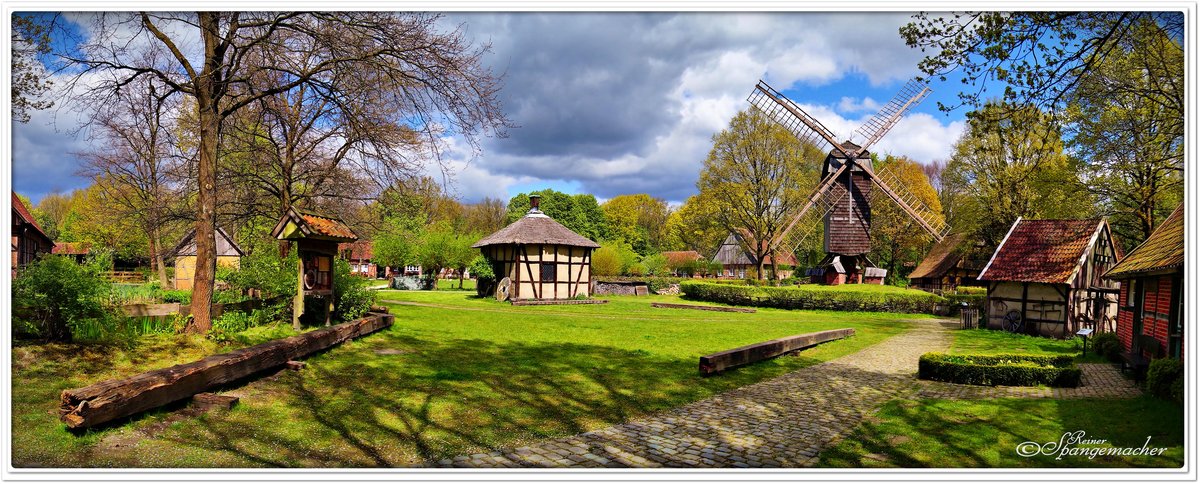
(113, 399)
(745, 355)
(724, 309)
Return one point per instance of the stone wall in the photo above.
(608, 288)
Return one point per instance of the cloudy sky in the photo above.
(628, 102)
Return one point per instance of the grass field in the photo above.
(986, 433)
(454, 375)
(991, 342)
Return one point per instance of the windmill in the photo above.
(848, 183)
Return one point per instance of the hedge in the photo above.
(838, 298)
(1164, 379)
(1009, 370)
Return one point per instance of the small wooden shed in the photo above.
(736, 261)
(1151, 300)
(228, 255)
(954, 261)
(317, 238)
(1046, 276)
(540, 258)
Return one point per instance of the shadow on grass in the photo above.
(986, 433)
(433, 400)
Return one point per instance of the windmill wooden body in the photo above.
(849, 185)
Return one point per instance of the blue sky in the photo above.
(612, 103)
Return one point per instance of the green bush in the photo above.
(1164, 379)
(974, 300)
(353, 298)
(971, 290)
(1009, 370)
(656, 264)
(810, 296)
(1108, 346)
(264, 270)
(181, 296)
(52, 296)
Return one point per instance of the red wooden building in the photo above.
(1151, 301)
(28, 238)
(360, 256)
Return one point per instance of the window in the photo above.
(1130, 293)
(549, 272)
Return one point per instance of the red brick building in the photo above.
(360, 256)
(1151, 301)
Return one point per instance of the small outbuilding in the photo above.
(360, 256)
(737, 262)
(77, 251)
(1045, 277)
(1151, 300)
(836, 270)
(954, 261)
(228, 255)
(316, 238)
(538, 258)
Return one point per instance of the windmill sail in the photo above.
(910, 95)
(789, 115)
(926, 217)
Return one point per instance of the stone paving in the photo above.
(782, 422)
(785, 421)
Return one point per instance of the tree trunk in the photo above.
(156, 242)
(207, 106)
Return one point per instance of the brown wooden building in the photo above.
(1046, 275)
(540, 258)
(738, 263)
(952, 262)
(184, 255)
(1151, 300)
(28, 238)
(77, 251)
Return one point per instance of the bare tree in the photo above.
(133, 154)
(436, 79)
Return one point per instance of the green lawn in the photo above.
(990, 342)
(986, 433)
(458, 375)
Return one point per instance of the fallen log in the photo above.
(112, 399)
(718, 362)
(724, 309)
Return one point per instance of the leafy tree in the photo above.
(655, 264)
(1009, 164)
(755, 180)
(431, 79)
(895, 238)
(30, 79)
(1035, 58)
(606, 262)
(580, 213)
(53, 295)
(440, 246)
(639, 220)
(1128, 132)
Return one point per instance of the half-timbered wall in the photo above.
(543, 271)
(1044, 305)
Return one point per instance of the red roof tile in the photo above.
(1045, 251)
(681, 256)
(360, 250)
(72, 248)
(27, 217)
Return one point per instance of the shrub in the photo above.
(264, 270)
(181, 296)
(53, 295)
(971, 290)
(1164, 379)
(843, 298)
(636, 269)
(606, 262)
(1010, 370)
(656, 264)
(1108, 346)
(353, 298)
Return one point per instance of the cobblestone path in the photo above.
(782, 422)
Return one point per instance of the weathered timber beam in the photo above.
(745, 355)
(723, 309)
(112, 399)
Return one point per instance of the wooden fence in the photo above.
(124, 276)
(172, 309)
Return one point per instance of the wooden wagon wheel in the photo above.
(310, 278)
(1013, 321)
(503, 289)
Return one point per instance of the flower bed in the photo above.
(858, 297)
(1009, 370)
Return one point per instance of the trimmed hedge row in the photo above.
(814, 297)
(1164, 379)
(1009, 370)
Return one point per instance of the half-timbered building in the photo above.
(539, 257)
(1046, 277)
(1151, 302)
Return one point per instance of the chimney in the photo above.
(534, 201)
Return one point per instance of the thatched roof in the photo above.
(1161, 252)
(944, 255)
(536, 228)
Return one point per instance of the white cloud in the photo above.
(853, 105)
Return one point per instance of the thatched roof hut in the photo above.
(540, 258)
